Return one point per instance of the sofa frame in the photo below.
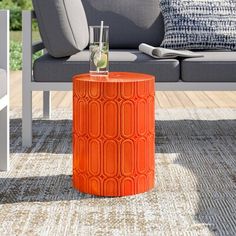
(4, 101)
(29, 85)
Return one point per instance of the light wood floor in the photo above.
(163, 99)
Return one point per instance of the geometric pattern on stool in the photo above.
(113, 134)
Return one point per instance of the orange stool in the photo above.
(113, 134)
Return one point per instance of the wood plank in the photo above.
(210, 103)
(67, 100)
(174, 99)
(157, 103)
(163, 100)
(220, 99)
(195, 99)
(227, 99)
(231, 97)
(57, 98)
(184, 99)
(37, 100)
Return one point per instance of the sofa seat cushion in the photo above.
(63, 26)
(3, 83)
(215, 66)
(49, 69)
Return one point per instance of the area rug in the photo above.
(194, 194)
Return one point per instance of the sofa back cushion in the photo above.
(63, 26)
(131, 22)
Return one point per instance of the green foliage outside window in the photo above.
(16, 6)
(16, 55)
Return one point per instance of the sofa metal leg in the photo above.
(4, 139)
(47, 104)
(27, 119)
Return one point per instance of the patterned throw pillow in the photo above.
(199, 24)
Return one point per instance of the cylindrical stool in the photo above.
(113, 134)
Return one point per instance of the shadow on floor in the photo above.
(49, 136)
(206, 148)
(39, 189)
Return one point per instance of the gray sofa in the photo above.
(131, 23)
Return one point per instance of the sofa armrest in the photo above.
(37, 46)
(4, 57)
(4, 39)
(29, 47)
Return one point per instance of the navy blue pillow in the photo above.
(199, 24)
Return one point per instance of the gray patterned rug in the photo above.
(195, 192)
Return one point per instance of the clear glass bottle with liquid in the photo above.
(99, 50)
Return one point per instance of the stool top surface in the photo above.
(115, 77)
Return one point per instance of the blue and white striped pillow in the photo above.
(199, 24)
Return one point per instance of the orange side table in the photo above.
(113, 134)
